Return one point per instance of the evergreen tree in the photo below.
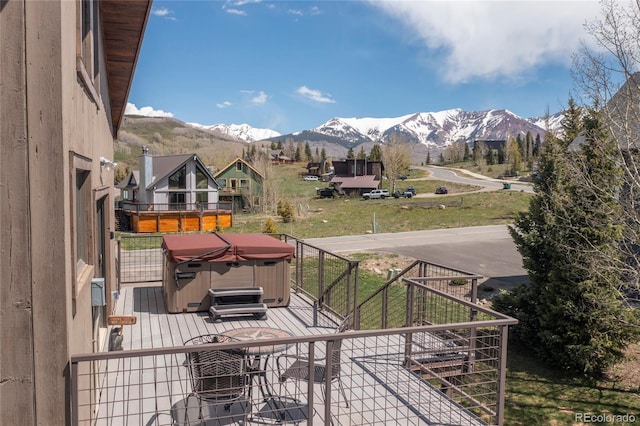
(501, 154)
(361, 154)
(569, 239)
(307, 152)
(428, 158)
(350, 153)
(467, 154)
(572, 122)
(298, 156)
(491, 158)
(323, 155)
(376, 153)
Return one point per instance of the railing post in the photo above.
(119, 265)
(355, 286)
(327, 383)
(299, 265)
(321, 281)
(502, 374)
(74, 394)
(311, 372)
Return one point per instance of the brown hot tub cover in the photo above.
(224, 247)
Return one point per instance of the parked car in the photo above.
(311, 178)
(403, 194)
(442, 190)
(376, 193)
(412, 190)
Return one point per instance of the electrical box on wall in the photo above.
(97, 292)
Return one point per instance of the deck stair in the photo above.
(237, 301)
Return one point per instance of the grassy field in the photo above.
(351, 216)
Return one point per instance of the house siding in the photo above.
(47, 117)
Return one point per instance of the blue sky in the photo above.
(293, 65)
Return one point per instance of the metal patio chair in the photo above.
(299, 368)
(217, 376)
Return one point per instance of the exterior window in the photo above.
(244, 183)
(202, 182)
(87, 48)
(178, 180)
(202, 198)
(83, 208)
(177, 200)
(239, 166)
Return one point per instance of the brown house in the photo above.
(354, 177)
(66, 69)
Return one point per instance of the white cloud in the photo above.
(163, 12)
(224, 104)
(296, 12)
(491, 39)
(147, 111)
(236, 12)
(315, 95)
(259, 99)
(231, 6)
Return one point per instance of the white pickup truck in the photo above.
(376, 193)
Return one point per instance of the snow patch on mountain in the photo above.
(240, 131)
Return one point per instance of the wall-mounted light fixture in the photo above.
(107, 164)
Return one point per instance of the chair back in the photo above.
(337, 348)
(216, 374)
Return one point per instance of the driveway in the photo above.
(469, 178)
(485, 250)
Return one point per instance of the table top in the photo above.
(260, 333)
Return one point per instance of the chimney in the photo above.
(145, 165)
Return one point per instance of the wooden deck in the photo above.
(154, 390)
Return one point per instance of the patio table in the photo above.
(278, 408)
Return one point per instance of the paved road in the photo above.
(484, 250)
(469, 178)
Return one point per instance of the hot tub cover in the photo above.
(224, 247)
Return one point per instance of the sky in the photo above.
(293, 65)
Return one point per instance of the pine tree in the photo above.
(350, 153)
(376, 153)
(569, 240)
(307, 152)
(572, 121)
(298, 156)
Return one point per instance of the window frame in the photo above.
(82, 223)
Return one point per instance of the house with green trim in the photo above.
(241, 184)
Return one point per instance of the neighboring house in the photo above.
(66, 68)
(491, 144)
(278, 157)
(354, 177)
(241, 185)
(172, 193)
(622, 112)
(358, 167)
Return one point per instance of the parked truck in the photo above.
(376, 193)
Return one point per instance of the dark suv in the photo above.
(441, 190)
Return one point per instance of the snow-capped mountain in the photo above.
(432, 129)
(240, 131)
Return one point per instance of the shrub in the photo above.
(269, 227)
(285, 211)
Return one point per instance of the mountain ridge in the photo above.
(434, 130)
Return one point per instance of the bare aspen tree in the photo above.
(396, 157)
(607, 77)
